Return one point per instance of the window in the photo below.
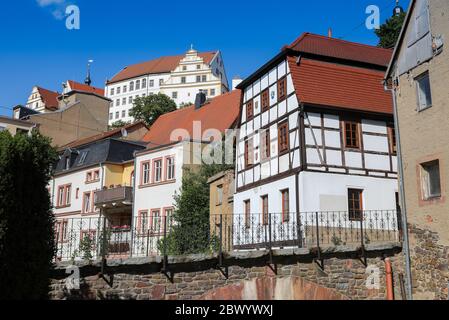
(87, 202)
(97, 175)
(424, 92)
(183, 79)
(61, 230)
(249, 152)
(249, 110)
(282, 89)
(146, 173)
(156, 221)
(125, 88)
(123, 113)
(265, 97)
(130, 100)
(157, 171)
(392, 138)
(138, 85)
(219, 200)
(117, 115)
(111, 116)
(123, 101)
(283, 139)
(118, 90)
(83, 157)
(184, 68)
(265, 215)
(161, 81)
(198, 78)
(144, 83)
(112, 91)
(352, 135)
(60, 196)
(204, 78)
(285, 205)
(143, 222)
(117, 102)
(67, 163)
(151, 83)
(89, 177)
(247, 205)
(265, 145)
(430, 180)
(131, 86)
(212, 92)
(170, 167)
(198, 67)
(174, 95)
(355, 204)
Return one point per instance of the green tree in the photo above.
(118, 124)
(151, 107)
(27, 245)
(388, 33)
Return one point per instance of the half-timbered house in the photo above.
(316, 147)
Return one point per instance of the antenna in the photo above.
(88, 80)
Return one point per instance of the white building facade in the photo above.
(179, 77)
(303, 166)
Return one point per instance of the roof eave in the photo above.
(400, 39)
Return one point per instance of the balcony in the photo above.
(113, 197)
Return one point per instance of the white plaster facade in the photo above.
(191, 75)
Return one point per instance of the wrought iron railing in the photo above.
(153, 234)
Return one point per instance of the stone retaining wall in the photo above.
(297, 276)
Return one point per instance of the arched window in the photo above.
(131, 86)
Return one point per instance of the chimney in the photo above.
(236, 81)
(200, 99)
(329, 33)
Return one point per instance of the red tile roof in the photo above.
(85, 88)
(336, 48)
(220, 113)
(159, 65)
(103, 135)
(50, 98)
(341, 86)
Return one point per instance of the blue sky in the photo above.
(36, 47)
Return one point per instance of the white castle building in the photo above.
(179, 77)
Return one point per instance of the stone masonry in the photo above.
(297, 276)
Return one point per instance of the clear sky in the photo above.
(37, 49)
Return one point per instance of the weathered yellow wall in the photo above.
(113, 174)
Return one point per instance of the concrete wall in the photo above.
(86, 118)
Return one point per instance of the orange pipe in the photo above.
(389, 279)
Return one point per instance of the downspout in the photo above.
(133, 205)
(406, 243)
(389, 279)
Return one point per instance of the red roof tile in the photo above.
(50, 98)
(102, 136)
(85, 88)
(336, 48)
(341, 86)
(220, 113)
(159, 65)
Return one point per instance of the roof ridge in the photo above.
(306, 34)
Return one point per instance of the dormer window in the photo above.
(83, 157)
(67, 163)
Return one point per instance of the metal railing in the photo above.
(155, 234)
